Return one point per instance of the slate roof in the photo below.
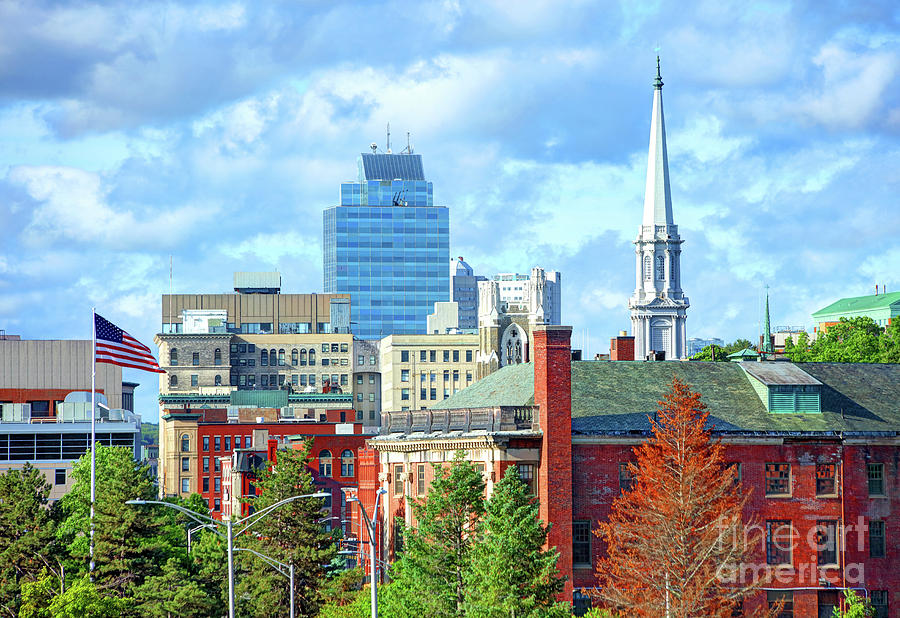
(859, 303)
(779, 373)
(618, 397)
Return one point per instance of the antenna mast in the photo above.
(389, 138)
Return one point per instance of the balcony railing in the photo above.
(465, 420)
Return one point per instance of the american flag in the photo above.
(117, 347)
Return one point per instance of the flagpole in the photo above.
(93, 427)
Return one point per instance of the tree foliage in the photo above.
(28, 546)
(291, 534)
(81, 598)
(722, 351)
(510, 573)
(676, 540)
(853, 340)
(855, 606)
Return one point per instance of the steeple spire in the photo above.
(657, 195)
(767, 334)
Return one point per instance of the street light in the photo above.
(229, 525)
(195, 529)
(370, 525)
(278, 566)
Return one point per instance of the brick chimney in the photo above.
(553, 395)
(621, 347)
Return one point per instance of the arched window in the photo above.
(312, 356)
(325, 463)
(294, 357)
(173, 380)
(218, 380)
(648, 268)
(302, 358)
(347, 463)
(660, 267)
(173, 356)
(263, 358)
(185, 443)
(281, 357)
(273, 359)
(673, 271)
(217, 357)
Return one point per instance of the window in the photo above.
(335, 347)
(876, 539)
(359, 396)
(218, 380)
(432, 356)
(446, 356)
(359, 379)
(205, 443)
(446, 375)
(581, 543)
(217, 504)
(827, 602)
(372, 378)
(404, 356)
(195, 359)
(218, 442)
(325, 347)
(206, 464)
(826, 481)
(433, 393)
(264, 379)
(778, 479)
(325, 463)
(526, 473)
(774, 597)
(361, 359)
(185, 443)
(423, 393)
(295, 357)
(404, 394)
(263, 358)
(626, 478)
(347, 463)
(660, 267)
(312, 379)
(826, 542)
(404, 375)
(227, 443)
(295, 380)
(344, 379)
(779, 542)
(217, 357)
(217, 484)
(468, 376)
(281, 378)
(371, 396)
(455, 356)
(648, 266)
(371, 415)
(468, 356)
(251, 348)
(234, 348)
(345, 347)
(880, 603)
(398, 536)
(173, 356)
(195, 379)
(420, 480)
(205, 484)
(312, 356)
(217, 464)
(281, 357)
(875, 475)
(422, 356)
(303, 358)
(398, 480)
(173, 380)
(60, 477)
(185, 464)
(185, 486)
(372, 359)
(455, 375)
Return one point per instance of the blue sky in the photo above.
(217, 133)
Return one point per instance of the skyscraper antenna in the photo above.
(389, 138)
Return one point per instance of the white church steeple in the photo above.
(658, 305)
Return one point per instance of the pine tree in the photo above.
(292, 534)
(174, 592)
(511, 575)
(676, 541)
(27, 534)
(430, 578)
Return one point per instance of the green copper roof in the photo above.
(259, 399)
(512, 385)
(613, 397)
(745, 353)
(860, 303)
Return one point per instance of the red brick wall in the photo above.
(553, 395)
(621, 348)
(24, 395)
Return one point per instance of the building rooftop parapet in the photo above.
(465, 421)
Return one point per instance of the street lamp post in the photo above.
(230, 533)
(278, 566)
(191, 531)
(373, 567)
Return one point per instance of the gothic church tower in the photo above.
(658, 306)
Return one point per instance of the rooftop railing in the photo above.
(465, 420)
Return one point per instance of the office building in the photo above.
(518, 290)
(464, 284)
(45, 407)
(388, 245)
(367, 381)
(881, 308)
(695, 344)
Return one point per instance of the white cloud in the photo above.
(275, 248)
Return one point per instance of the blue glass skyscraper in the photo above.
(388, 245)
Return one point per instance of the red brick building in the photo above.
(816, 444)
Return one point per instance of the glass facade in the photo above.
(388, 246)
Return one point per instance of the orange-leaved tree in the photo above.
(676, 544)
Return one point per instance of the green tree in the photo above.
(854, 607)
(889, 343)
(174, 592)
(128, 544)
(28, 545)
(722, 351)
(81, 598)
(853, 340)
(510, 574)
(430, 577)
(291, 534)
